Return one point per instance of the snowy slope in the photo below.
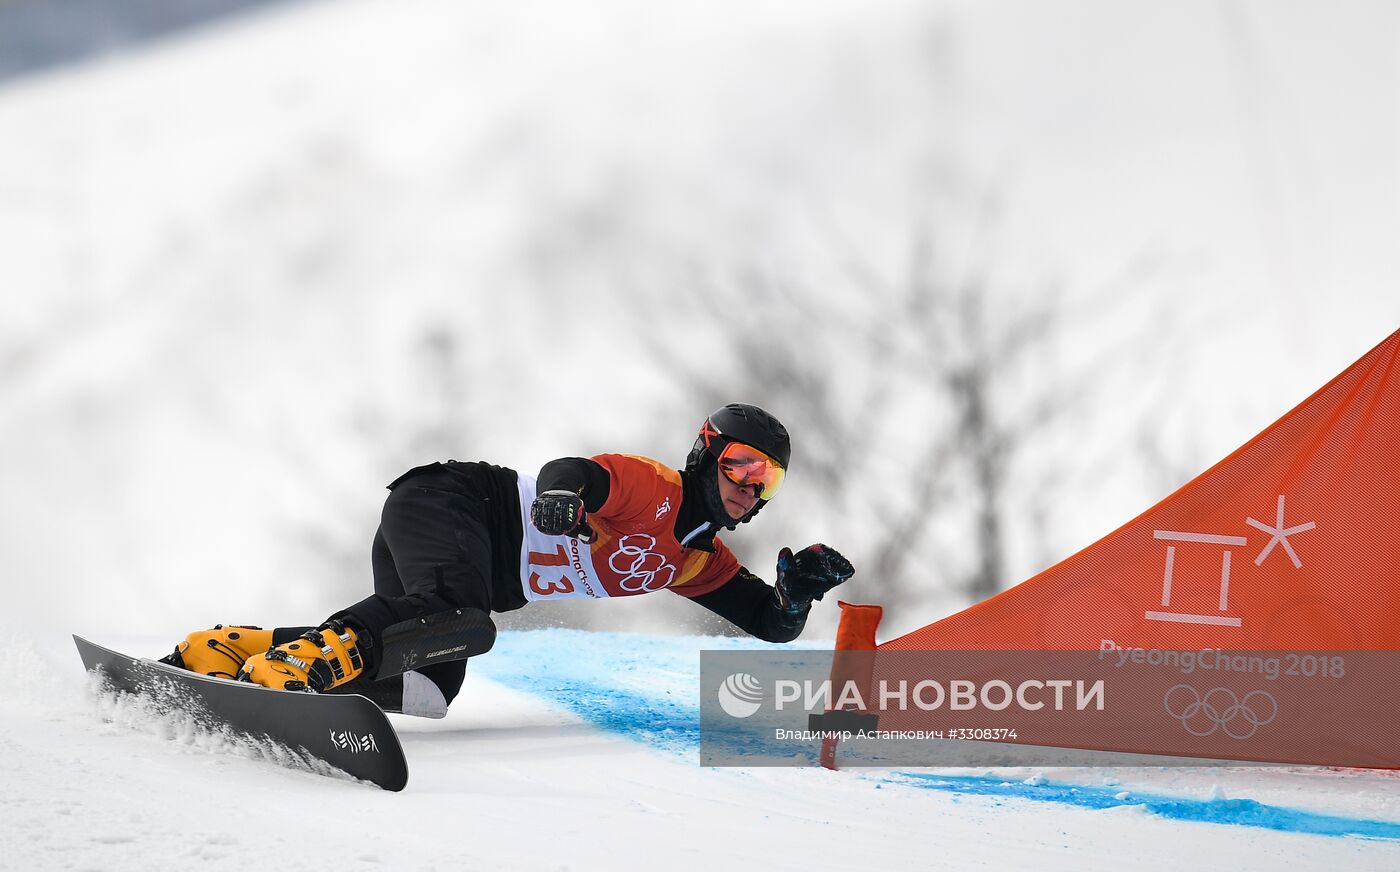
(228, 266)
(572, 750)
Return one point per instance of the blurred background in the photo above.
(1010, 272)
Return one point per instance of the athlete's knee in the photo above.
(440, 638)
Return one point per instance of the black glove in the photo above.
(809, 574)
(561, 513)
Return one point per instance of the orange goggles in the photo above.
(746, 466)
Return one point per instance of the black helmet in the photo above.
(741, 422)
(736, 422)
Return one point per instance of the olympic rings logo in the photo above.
(647, 571)
(1220, 709)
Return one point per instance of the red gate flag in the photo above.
(1291, 542)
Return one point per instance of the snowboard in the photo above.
(347, 731)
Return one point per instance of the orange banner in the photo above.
(1291, 542)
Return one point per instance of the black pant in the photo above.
(431, 554)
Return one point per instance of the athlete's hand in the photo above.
(809, 574)
(561, 513)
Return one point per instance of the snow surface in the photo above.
(576, 750)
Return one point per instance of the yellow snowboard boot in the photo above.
(318, 661)
(220, 652)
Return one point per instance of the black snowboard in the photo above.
(347, 731)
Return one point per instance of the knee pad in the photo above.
(438, 638)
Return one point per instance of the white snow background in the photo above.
(220, 255)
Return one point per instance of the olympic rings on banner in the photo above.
(1220, 709)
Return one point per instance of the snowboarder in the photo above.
(459, 540)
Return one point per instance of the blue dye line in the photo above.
(532, 662)
(665, 725)
(669, 720)
(1240, 812)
